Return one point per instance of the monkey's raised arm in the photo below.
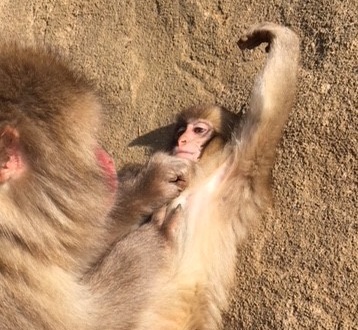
(272, 96)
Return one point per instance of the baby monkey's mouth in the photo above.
(187, 154)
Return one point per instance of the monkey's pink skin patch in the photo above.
(107, 163)
(14, 166)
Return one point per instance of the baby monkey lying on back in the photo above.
(228, 191)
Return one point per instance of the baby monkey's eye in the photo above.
(199, 130)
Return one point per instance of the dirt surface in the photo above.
(150, 59)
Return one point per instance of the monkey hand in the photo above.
(263, 32)
(144, 189)
(165, 177)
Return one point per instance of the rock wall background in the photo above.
(152, 58)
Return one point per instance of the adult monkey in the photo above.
(60, 265)
(229, 191)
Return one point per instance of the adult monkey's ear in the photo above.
(11, 159)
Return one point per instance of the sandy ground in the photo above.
(152, 58)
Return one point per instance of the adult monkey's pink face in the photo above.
(192, 138)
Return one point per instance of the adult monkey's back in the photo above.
(213, 214)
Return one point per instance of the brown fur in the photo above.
(62, 265)
(227, 195)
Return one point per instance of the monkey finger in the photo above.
(159, 216)
(183, 178)
(171, 223)
(267, 48)
(181, 183)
